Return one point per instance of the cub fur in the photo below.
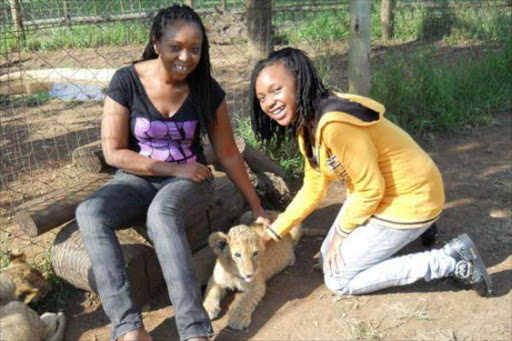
(18, 322)
(29, 285)
(244, 264)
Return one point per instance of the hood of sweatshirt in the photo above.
(353, 109)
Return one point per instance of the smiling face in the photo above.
(276, 92)
(179, 48)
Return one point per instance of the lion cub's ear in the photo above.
(218, 241)
(259, 228)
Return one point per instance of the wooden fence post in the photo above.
(17, 19)
(386, 18)
(95, 7)
(190, 3)
(259, 28)
(65, 7)
(359, 47)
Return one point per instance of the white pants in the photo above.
(367, 253)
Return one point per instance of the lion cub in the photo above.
(244, 264)
(18, 322)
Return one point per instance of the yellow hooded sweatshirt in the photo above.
(388, 177)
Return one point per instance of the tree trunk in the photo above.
(359, 47)
(386, 19)
(259, 28)
(17, 19)
(67, 16)
(47, 212)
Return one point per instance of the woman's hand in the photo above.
(261, 216)
(333, 262)
(196, 172)
(266, 238)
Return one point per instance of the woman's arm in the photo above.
(357, 154)
(305, 201)
(115, 130)
(224, 147)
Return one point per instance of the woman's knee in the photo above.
(91, 214)
(164, 217)
(336, 284)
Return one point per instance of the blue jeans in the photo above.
(369, 263)
(163, 200)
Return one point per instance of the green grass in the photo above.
(32, 100)
(416, 22)
(423, 94)
(81, 36)
(286, 154)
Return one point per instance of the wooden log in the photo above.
(52, 210)
(71, 262)
(273, 191)
(90, 158)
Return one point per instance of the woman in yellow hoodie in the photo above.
(394, 190)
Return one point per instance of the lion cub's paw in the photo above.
(239, 322)
(212, 310)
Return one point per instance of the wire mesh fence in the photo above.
(57, 57)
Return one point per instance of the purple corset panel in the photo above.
(166, 140)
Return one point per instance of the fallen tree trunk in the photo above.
(47, 212)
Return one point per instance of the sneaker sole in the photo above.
(477, 261)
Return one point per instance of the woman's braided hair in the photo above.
(310, 90)
(200, 79)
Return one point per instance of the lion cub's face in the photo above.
(29, 284)
(240, 250)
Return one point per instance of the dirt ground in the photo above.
(477, 170)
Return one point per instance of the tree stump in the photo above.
(90, 158)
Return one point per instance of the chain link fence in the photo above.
(57, 57)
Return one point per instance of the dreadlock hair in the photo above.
(200, 79)
(310, 90)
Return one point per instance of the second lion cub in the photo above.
(244, 264)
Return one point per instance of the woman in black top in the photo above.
(154, 113)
